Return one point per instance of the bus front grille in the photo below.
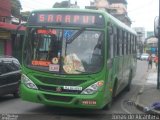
(58, 98)
(54, 89)
(56, 81)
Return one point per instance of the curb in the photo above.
(141, 107)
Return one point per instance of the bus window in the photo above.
(91, 43)
(111, 41)
(127, 43)
(118, 47)
(50, 51)
(135, 44)
(132, 44)
(115, 41)
(120, 43)
(123, 42)
(54, 47)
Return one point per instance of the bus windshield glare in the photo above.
(64, 51)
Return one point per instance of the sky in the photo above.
(141, 12)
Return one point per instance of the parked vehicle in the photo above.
(139, 56)
(144, 56)
(153, 56)
(10, 76)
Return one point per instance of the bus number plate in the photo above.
(54, 67)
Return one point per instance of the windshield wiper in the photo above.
(76, 35)
(80, 71)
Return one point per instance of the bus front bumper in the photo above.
(95, 101)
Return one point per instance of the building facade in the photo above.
(117, 8)
(5, 13)
(9, 43)
(140, 39)
(151, 45)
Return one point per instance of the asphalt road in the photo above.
(123, 104)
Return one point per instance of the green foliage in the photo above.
(24, 15)
(63, 4)
(15, 8)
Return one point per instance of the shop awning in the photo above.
(8, 26)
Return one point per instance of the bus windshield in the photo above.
(64, 51)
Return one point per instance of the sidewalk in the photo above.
(149, 93)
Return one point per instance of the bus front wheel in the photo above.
(128, 87)
(109, 105)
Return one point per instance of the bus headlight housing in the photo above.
(93, 88)
(27, 82)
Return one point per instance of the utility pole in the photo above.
(158, 75)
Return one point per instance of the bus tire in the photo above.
(128, 87)
(109, 105)
(16, 95)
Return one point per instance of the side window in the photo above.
(131, 43)
(6, 67)
(12, 67)
(3, 68)
(124, 43)
(118, 47)
(120, 43)
(115, 41)
(110, 41)
(123, 40)
(135, 44)
(127, 43)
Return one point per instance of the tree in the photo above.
(24, 15)
(63, 4)
(15, 8)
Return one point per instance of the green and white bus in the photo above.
(76, 58)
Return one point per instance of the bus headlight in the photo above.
(27, 82)
(93, 88)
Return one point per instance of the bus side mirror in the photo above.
(156, 25)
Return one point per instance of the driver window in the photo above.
(97, 52)
(53, 47)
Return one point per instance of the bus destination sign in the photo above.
(66, 19)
